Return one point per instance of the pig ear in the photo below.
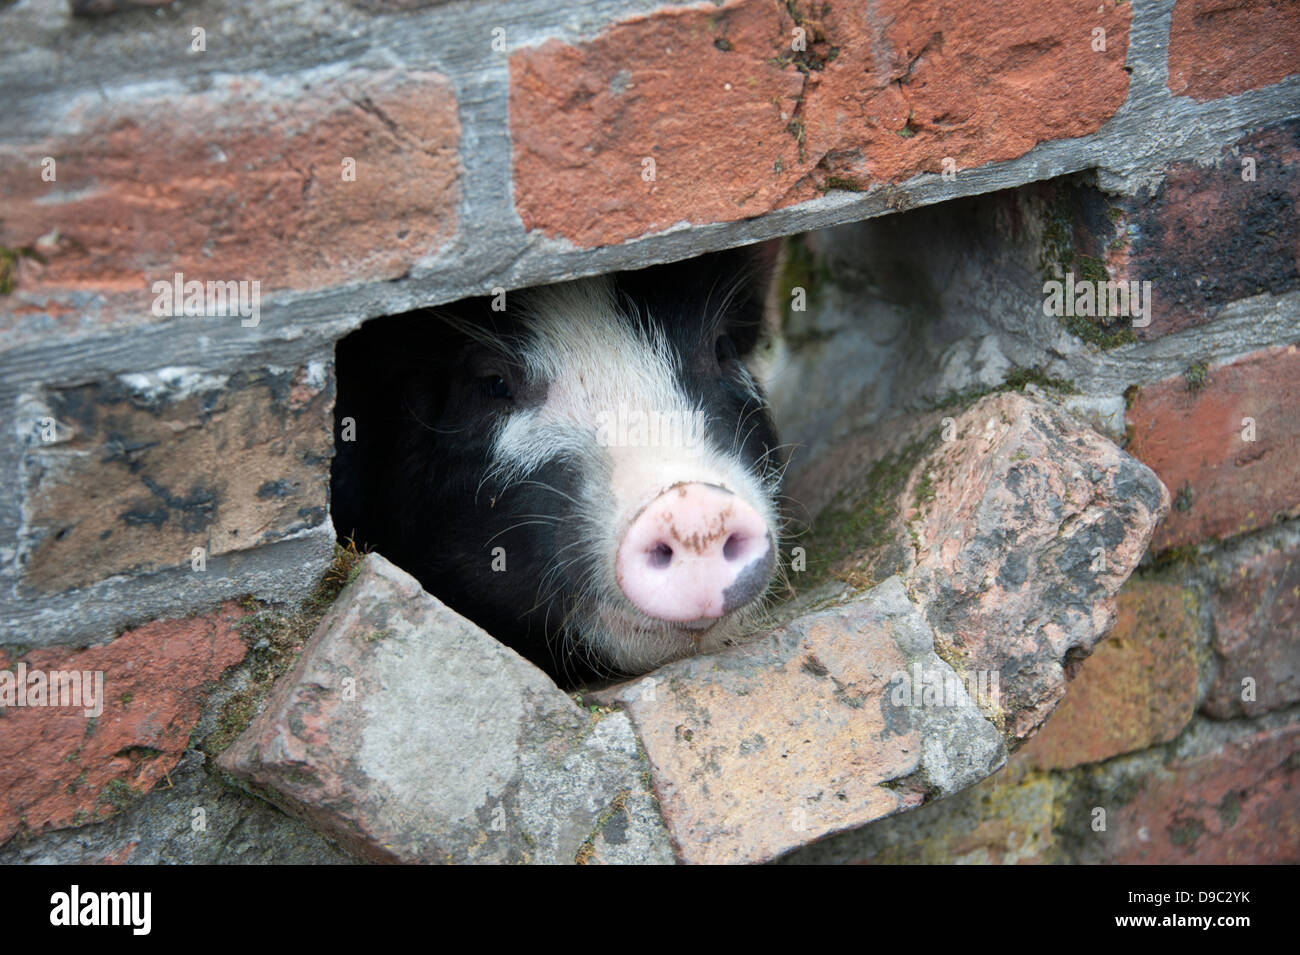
(747, 272)
(755, 318)
(765, 309)
(767, 257)
(755, 266)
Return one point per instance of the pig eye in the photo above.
(494, 388)
(724, 349)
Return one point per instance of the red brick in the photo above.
(765, 748)
(1257, 634)
(736, 128)
(1189, 240)
(1234, 806)
(242, 181)
(1022, 504)
(1192, 438)
(1221, 47)
(62, 768)
(1136, 690)
(1185, 237)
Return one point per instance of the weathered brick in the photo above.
(242, 180)
(1257, 635)
(744, 773)
(410, 735)
(1004, 820)
(1221, 47)
(1237, 805)
(152, 466)
(1188, 239)
(1191, 433)
(738, 123)
(1136, 690)
(1228, 801)
(1026, 509)
(62, 768)
(1185, 236)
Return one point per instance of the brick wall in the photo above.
(360, 159)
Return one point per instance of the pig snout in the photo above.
(694, 554)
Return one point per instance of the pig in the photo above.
(591, 473)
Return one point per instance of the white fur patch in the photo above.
(597, 365)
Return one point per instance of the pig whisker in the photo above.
(750, 432)
(514, 527)
(428, 427)
(552, 576)
(767, 454)
(487, 337)
(733, 288)
(790, 531)
(758, 406)
(547, 487)
(575, 649)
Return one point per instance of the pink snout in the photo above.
(696, 553)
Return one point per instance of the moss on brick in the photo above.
(275, 641)
(846, 183)
(1015, 381)
(801, 269)
(1058, 255)
(1229, 809)
(588, 847)
(795, 129)
(861, 520)
(1056, 252)
(117, 794)
(1090, 331)
(818, 51)
(1196, 375)
(1183, 554)
(9, 257)
(1185, 831)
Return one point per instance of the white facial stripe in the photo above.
(598, 367)
(595, 361)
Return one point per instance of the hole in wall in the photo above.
(457, 429)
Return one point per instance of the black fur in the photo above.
(423, 395)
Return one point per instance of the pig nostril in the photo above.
(695, 553)
(661, 556)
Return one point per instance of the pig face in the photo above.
(591, 474)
